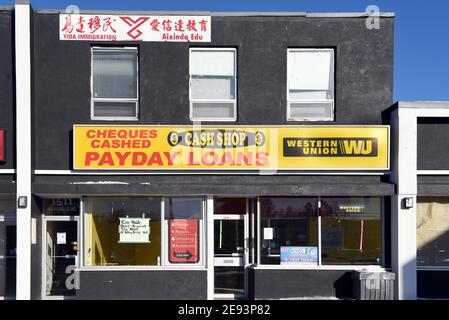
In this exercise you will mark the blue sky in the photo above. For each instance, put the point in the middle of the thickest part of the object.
(421, 32)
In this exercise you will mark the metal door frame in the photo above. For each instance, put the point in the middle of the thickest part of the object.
(246, 242)
(45, 219)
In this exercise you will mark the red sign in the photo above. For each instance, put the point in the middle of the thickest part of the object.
(184, 241)
(2, 145)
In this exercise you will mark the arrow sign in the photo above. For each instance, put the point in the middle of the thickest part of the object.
(183, 255)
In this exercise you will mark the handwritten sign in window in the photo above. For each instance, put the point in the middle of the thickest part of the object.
(134, 230)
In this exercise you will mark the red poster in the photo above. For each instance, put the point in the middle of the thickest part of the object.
(184, 241)
(2, 145)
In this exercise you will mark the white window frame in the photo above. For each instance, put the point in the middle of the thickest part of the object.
(192, 101)
(164, 263)
(289, 101)
(93, 100)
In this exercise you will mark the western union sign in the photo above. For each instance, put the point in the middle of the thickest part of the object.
(230, 148)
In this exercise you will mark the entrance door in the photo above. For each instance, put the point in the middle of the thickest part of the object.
(230, 255)
(7, 256)
(61, 256)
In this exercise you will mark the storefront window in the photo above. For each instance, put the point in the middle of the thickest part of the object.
(432, 227)
(288, 230)
(184, 225)
(351, 231)
(122, 231)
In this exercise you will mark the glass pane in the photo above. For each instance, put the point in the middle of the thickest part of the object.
(7, 259)
(114, 74)
(184, 218)
(311, 69)
(229, 205)
(311, 110)
(229, 280)
(62, 207)
(303, 95)
(206, 110)
(62, 248)
(228, 237)
(123, 231)
(112, 109)
(212, 62)
(289, 230)
(351, 231)
(212, 87)
(432, 227)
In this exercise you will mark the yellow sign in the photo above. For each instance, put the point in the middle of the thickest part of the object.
(230, 148)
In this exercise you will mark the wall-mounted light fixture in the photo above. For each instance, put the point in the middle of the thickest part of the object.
(22, 202)
(407, 203)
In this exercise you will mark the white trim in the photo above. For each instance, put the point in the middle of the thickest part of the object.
(289, 101)
(23, 148)
(326, 267)
(432, 268)
(184, 172)
(210, 247)
(7, 171)
(432, 172)
(233, 101)
(141, 268)
(93, 100)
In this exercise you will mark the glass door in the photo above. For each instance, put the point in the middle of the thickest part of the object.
(7, 256)
(61, 256)
(230, 255)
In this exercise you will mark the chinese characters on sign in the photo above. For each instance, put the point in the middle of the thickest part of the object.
(183, 241)
(137, 28)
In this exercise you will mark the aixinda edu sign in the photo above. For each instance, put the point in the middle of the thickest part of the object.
(89, 27)
(231, 148)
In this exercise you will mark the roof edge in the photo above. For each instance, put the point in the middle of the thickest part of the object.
(232, 14)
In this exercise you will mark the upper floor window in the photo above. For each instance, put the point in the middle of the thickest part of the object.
(213, 84)
(310, 92)
(115, 83)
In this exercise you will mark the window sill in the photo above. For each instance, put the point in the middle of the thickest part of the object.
(372, 268)
(214, 120)
(114, 119)
(142, 268)
(310, 120)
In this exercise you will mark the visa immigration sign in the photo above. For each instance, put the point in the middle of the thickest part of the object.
(230, 148)
(134, 28)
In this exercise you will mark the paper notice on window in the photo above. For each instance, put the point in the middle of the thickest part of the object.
(134, 230)
(61, 238)
(268, 233)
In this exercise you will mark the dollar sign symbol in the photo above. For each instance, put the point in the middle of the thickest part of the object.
(259, 139)
(174, 138)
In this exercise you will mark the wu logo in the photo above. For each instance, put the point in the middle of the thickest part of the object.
(135, 23)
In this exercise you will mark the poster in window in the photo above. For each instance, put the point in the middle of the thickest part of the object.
(299, 255)
(134, 230)
(183, 241)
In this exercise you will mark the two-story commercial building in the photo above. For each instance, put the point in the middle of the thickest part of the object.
(196, 155)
